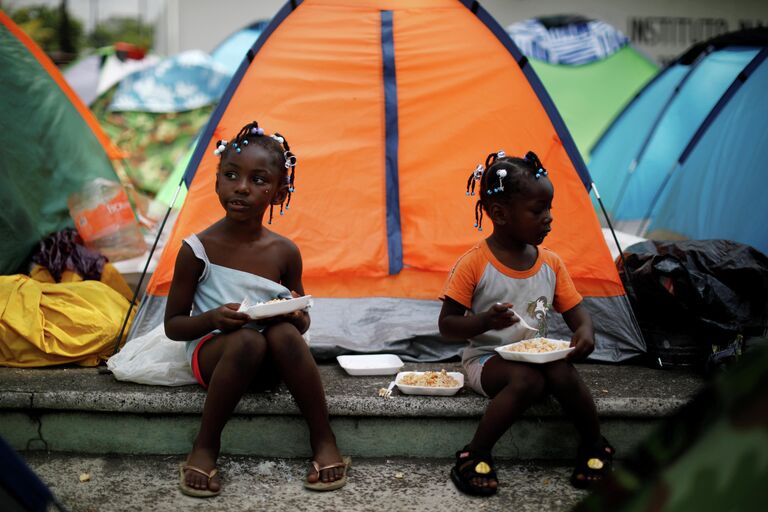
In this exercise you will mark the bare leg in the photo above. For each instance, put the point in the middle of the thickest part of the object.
(513, 387)
(565, 384)
(228, 363)
(298, 370)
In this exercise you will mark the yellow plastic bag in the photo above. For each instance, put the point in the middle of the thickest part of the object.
(43, 324)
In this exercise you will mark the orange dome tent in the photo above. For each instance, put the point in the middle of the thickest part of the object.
(389, 105)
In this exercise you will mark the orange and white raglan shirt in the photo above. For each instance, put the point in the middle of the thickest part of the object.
(478, 280)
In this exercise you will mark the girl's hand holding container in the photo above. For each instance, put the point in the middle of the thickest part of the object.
(226, 318)
(583, 340)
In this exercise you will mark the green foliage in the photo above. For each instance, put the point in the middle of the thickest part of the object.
(129, 30)
(46, 26)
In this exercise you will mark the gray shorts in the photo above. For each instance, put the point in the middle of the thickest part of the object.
(474, 370)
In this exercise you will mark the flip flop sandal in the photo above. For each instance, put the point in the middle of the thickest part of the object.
(471, 465)
(345, 463)
(191, 491)
(593, 463)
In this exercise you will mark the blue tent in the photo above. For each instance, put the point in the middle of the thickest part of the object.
(686, 158)
(231, 51)
(186, 81)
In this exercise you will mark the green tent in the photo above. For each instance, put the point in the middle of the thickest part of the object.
(50, 145)
(588, 68)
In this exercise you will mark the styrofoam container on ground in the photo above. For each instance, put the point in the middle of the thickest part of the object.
(370, 364)
(429, 390)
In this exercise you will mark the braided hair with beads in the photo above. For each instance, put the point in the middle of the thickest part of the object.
(275, 144)
(499, 178)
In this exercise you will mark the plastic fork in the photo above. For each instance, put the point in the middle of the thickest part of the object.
(523, 322)
(387, 393)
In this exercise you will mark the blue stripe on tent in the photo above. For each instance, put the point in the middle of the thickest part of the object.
(197, 156)
(538, 88)
(732, 90)
(394, 230)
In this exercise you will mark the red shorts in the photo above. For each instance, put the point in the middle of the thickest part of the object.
(196, 364)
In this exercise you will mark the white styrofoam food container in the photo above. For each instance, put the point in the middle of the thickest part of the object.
(370, 364)
(429, 390)
(270, 309)
(535, 357)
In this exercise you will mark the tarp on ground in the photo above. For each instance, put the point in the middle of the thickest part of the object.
(388, 117)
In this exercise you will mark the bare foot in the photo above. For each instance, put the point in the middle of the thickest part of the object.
(205, 460)
(326, 454)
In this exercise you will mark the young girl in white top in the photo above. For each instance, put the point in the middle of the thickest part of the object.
(234, 258)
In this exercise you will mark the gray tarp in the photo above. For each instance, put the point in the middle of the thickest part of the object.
(408, 328)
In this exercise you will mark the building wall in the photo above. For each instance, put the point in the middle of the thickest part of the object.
(661, 28)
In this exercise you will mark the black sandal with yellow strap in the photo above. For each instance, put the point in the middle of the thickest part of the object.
(593, 463)
(473, 464)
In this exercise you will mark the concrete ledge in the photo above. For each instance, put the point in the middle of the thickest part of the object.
(81, 410)
(287, 436)
(621, 391)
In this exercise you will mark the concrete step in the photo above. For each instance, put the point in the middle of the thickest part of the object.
(141, 483)
(83, 411)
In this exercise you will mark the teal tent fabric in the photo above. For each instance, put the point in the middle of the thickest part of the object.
(663, 169)
(723, 176)
(613, 155)
(696, 97)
